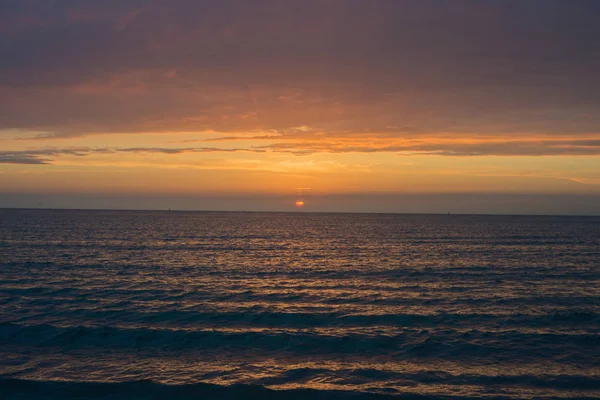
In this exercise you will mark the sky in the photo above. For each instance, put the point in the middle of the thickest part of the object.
(367, 106)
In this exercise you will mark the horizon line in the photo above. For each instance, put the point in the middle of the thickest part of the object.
(295, 212)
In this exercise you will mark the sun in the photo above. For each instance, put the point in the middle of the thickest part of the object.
(299, 203)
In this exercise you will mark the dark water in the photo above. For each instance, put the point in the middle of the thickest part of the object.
(290, 306)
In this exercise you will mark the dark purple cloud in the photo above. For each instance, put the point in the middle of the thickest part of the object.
(493, 67)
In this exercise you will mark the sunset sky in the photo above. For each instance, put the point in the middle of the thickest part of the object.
(391, 106)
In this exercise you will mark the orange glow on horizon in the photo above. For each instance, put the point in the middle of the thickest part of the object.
(299, 203)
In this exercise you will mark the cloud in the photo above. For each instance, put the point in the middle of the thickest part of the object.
(447, 147)
(39, 156)
(510, 147)
(25, 159)
(429, 67)
(167, 150)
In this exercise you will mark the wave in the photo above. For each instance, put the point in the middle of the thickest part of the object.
(259, 316)
(11, 388)
(357, 376)
(413, 344)
(326, 295)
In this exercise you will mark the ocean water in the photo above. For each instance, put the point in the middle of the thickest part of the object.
(117, 304)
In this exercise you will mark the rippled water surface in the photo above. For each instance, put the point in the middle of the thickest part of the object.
(235, 305)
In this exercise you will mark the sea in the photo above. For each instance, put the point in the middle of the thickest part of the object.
(242, 305)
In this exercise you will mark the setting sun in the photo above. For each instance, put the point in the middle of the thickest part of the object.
(299, 203)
